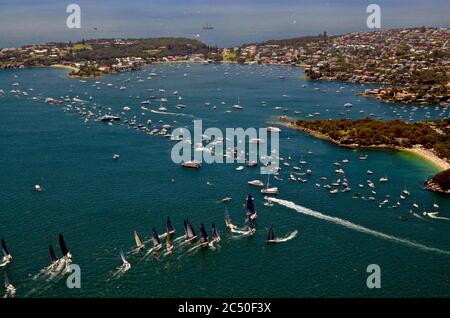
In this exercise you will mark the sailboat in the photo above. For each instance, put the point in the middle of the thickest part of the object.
(238, 105)
(156, 241)
(203, 236)
(228, 221)
(170, 228)
(169, 243)
(267, 189)
(10, 289)
(251, 227)
(53, 257)
(6, 255)
(270, 236)
(125, 264)
(190, 233)
(139, 243)
(250, 207)
(62, 244)
(215, 234)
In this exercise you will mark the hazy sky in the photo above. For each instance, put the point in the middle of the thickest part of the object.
(235, 21)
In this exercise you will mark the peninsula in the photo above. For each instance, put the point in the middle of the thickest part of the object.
(411, 65)
(430, 139)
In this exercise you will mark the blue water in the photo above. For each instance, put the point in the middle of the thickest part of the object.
(97, 202)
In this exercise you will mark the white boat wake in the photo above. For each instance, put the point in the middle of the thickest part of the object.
(54, 271)
(433, 215)
(120, 271)
(356, 227)
(172, 114)
(286, 238)
(237, 231)
(418, 216)
(4, 264)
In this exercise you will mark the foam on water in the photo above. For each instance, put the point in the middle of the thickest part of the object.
(356, 227)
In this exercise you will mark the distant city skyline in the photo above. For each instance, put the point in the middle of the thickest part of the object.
(235, 22)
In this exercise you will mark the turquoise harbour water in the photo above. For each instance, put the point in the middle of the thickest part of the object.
(98, 202)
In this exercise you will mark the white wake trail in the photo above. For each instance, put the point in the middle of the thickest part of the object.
(286, 238)
(356, 227)
(434, 215)
(172, 114)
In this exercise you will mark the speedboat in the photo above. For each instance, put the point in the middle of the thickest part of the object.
(191, 164)
(274, 129)
(256, 183)
(252, 164)
(272, 191)
(226, 199)
(109, 118)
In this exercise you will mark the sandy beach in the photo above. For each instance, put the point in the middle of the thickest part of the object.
(418, 150)
(430, 156)
(67, 67)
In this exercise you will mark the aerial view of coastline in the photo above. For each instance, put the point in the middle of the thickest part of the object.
(249, 149)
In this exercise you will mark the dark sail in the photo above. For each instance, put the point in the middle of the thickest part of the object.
(4, 248)
(156, 240)
(7, 282)
(170, 228)
(227, 217)
(189, 230)
(270, 236)
(62, 245)
(185, 226)
(203, 233)
(52, 254)
(250, 206)
(215, 234)
(251, 225)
